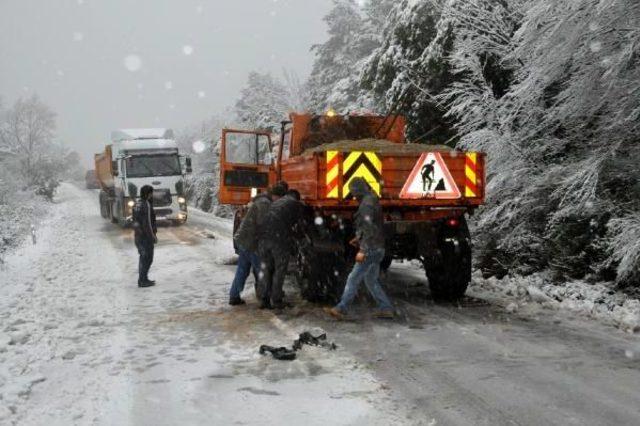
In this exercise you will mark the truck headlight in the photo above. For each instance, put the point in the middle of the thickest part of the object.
(131, 203)
(182, 200)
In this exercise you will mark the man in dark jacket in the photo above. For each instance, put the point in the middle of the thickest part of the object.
(368, 222)
(282, 224)
(144, 224)
(246, 240)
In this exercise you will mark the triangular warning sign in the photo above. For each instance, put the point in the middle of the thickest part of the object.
(430, 178)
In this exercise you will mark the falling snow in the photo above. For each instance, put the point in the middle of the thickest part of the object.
(132, 62)
(198, 146)
(187, 50)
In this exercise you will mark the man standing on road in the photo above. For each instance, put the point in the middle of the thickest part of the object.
(246, 241)
(144, 224)
(368, 222)
(282, 224)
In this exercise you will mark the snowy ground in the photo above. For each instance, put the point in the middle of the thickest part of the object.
(81, 344)
(600, 301)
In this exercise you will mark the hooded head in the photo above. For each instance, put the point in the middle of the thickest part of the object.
(359, 187)
(279, 190)
(146, 191)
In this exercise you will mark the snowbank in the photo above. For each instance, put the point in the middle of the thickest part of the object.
(16, 217)
(600, 301)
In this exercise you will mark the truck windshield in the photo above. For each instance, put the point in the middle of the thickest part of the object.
(247, 148)
(153, 165)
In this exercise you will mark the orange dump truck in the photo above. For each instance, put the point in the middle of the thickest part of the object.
(425, 192)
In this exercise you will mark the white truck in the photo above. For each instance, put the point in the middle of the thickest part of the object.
(138, 157)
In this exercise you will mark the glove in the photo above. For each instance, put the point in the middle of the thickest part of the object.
(360, 257)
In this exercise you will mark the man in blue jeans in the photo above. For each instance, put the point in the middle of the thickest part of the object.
(246, 240)
(368, 222)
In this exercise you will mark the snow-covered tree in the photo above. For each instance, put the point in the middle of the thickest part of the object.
(333, 82)
(409, 68)
(264, 102)
(26, 133)
(559, 125)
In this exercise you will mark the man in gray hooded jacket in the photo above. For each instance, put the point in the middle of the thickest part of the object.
(368, 222)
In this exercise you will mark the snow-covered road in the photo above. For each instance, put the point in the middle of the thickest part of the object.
(81, 344)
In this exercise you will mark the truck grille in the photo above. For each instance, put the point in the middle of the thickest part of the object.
(163, 212)
(161, 197)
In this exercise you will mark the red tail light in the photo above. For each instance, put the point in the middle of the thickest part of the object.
(453, 222)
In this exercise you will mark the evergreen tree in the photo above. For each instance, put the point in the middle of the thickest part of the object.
(330, 83)
(409, 68)
(263, 103)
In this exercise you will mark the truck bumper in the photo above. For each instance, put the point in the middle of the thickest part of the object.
(175, 212)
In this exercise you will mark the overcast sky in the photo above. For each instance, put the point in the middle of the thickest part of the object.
(107, 64)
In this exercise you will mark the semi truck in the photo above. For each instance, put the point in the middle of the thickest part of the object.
(138, 157)
(425, 192)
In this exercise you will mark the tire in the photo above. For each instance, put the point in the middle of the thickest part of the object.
(386, 263)
(450, 278)
(114, 218)
(104, 210)
(320, 276)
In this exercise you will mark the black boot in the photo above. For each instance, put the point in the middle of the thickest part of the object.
(265, 304)
(282, 305)
(146, 283)
(234, 301)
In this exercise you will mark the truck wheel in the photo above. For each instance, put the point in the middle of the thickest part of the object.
(386, 263)
(112, 216)
(103, 205)
(450, 278)
(320, 277)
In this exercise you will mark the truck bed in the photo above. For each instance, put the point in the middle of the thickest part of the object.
(308, 174)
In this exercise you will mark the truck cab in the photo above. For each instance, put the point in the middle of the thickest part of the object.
(139, 157)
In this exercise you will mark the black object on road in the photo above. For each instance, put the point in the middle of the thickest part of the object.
(307, 338)
(285, 354)
(281, 353)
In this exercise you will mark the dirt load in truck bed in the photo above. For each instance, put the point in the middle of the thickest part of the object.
(380, 146)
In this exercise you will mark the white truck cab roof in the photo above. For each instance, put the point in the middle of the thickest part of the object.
(140, 134)
(141, 141)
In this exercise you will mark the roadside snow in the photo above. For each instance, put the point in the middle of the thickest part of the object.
(600, 301)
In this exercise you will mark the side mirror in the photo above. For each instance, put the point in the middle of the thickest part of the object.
(187, 162)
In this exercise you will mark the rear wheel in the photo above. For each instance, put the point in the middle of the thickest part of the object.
(103, 206)
(321, 276)
(386, 263)
(449, 279)
(112, 213)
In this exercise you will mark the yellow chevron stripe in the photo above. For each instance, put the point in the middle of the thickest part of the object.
(331, 155)
(374, 160)
(333, 193)
(469, 193)
(470, 174)
(366, 174)
(473, 157)
(332, 174)
(348, 162)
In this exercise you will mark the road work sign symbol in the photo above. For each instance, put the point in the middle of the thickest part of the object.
(430, 178)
